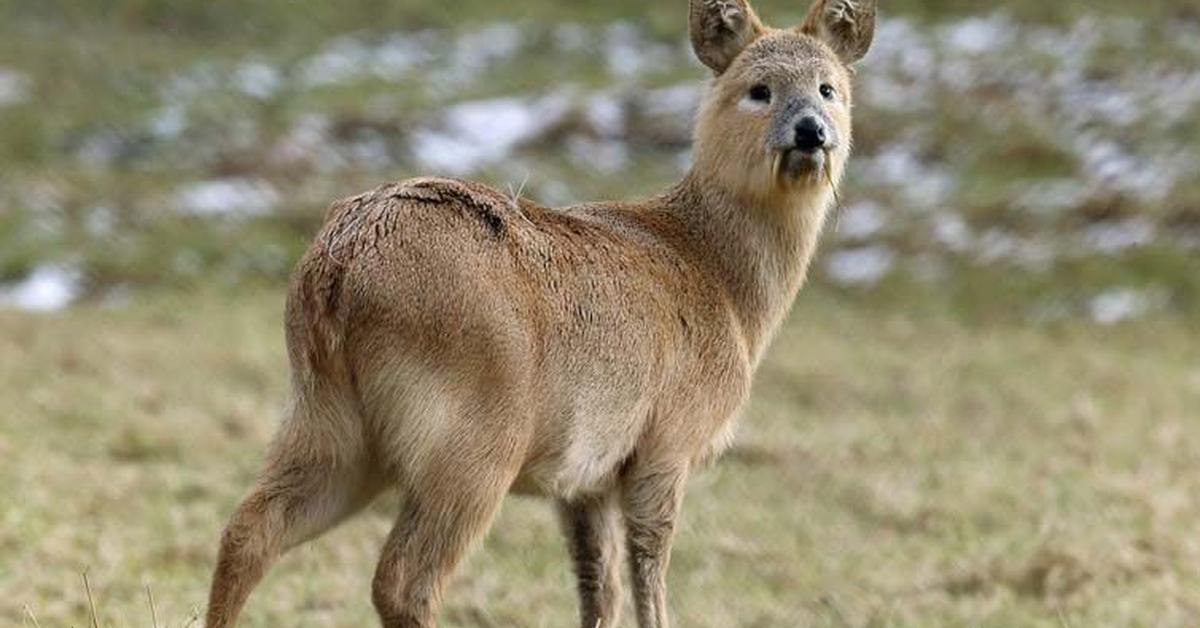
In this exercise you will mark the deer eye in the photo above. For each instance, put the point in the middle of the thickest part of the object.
(827, 91)
(760, 93)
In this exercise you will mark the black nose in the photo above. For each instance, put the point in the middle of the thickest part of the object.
(810, 133)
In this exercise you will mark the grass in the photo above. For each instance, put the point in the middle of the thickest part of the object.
(897, 467)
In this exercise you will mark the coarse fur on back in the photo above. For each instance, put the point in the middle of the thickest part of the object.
(459, 344)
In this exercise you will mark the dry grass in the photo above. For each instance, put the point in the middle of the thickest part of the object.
(892, 471)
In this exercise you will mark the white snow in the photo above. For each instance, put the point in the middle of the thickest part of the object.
(606, 156)
(980, 35)
(1115, 236)
(862, 220)
(342, 60)
(605, 113)
(862, 266)
(169, 122)
(243, 196)
(1121, 304)
(257, 79)
(47, 289)
(474, 134)
(15, 87)
(629, 53)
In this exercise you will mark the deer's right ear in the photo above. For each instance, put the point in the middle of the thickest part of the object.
(721, 29)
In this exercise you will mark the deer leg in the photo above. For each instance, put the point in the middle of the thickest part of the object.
(300, 494)
(652, 495)
(593, 529)
(435, 529)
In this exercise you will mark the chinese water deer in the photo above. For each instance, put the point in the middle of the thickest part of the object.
(460, 344)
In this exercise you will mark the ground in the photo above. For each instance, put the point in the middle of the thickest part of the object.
(895, 468)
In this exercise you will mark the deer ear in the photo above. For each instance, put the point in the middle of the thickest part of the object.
(848, 26)
(721, 29)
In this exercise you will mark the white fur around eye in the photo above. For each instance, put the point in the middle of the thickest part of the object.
(756, 106)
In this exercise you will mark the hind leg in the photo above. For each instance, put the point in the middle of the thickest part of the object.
(316, 475)
(444, 513)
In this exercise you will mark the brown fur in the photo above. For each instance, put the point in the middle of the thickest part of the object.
(460, 344)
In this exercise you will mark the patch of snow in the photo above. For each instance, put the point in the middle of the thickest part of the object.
(1112, 237)
(899, 72)
(476, 51)
(342, 60)
(628, 53)
(370, 149)
(1122, 304)
(169, 122)
(980, 35)
(1052, 196)
(473, 134)
(15, 87)
(862, 220)
(665, 115)
(1178, 103)
(184, 87)
(348, 58)
(862, 266)
(105, 147)
(680, 100)
(1091, 101)
(49, 288)
(101, 220)
(308, 142)
(606, 156)
(1110, 165)
(257, 79)
(924, 186)
(952, 231)
(247, 197)
(605, 113)
(400, 53)
(998, 245)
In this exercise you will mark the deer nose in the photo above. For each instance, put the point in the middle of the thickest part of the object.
(810, 133)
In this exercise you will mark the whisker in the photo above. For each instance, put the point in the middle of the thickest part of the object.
(837, 199)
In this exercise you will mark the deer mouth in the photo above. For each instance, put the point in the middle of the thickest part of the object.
(798, 164)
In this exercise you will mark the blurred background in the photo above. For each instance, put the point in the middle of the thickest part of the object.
(984, 412)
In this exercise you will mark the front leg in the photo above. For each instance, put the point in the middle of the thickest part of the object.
(653, 491)
(593, 529)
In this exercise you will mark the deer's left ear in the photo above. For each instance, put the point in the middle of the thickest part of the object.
(721, 29)
(848, 26)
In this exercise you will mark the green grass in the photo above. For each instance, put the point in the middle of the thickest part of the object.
(897, 467)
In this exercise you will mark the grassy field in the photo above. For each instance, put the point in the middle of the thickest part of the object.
(894, 469)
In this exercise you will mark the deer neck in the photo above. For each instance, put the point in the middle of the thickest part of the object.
(760, 248)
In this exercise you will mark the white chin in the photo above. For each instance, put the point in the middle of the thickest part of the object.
(798, 165)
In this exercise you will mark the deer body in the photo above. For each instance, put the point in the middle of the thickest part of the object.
(596, 323)
(461, 344)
